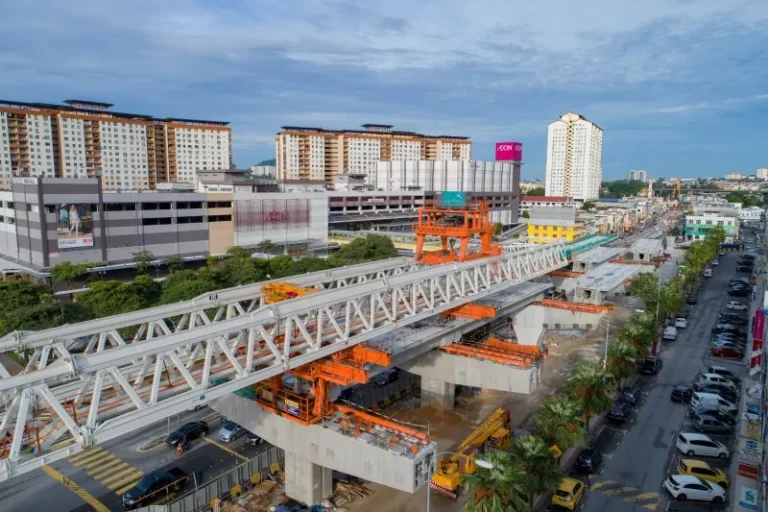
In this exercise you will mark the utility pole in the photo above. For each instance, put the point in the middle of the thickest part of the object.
(607, 332)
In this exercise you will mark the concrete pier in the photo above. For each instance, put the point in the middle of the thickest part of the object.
(437, 392)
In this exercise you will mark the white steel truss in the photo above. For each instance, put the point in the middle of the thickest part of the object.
(103, 393)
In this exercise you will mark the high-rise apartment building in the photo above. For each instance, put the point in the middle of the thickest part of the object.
(318, 154)
(85, 139)
(574, 158)
(762, 173)
(637, 175)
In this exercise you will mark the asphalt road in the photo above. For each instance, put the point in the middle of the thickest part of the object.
(108, 469)
(641, 454)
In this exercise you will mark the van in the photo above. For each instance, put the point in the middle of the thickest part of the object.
(707, 272)
(713, 400)
(693, 444)
(670, 333)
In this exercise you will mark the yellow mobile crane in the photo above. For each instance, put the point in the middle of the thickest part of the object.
(493, 434)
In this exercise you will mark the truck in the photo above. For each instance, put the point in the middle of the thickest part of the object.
(493, 434)
(155, 486)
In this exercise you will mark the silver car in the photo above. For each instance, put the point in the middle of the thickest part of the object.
(230, 431)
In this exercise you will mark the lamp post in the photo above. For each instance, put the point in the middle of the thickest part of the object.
(433, 469)
(607, 333)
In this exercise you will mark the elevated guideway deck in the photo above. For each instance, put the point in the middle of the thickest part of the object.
(146, 366)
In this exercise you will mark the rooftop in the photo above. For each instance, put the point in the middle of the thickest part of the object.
(648, 246)
(597, 255)
(608, 276)
(369, 132)
(547, 199)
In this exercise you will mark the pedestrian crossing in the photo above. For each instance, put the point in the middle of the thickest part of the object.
(649, 500)
(111, 471)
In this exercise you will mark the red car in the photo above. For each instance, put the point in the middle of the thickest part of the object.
(728, 351)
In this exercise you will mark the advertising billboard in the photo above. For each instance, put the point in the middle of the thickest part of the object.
(758, 325)
(509, 151)
(74, 225)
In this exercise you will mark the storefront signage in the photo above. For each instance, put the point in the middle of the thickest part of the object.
(506, 151)
(750, 451)
(748, 471)
(376, 200)
(750, 430)
(276, 217)
(758, 325)
(755, 364)
(748, 497)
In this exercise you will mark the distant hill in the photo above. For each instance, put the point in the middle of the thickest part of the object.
(271, 161)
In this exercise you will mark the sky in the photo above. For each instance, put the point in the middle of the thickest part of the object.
(680, 87)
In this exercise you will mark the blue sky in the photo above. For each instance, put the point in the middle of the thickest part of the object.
(679, 86)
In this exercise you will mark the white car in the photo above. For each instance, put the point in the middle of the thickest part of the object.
(688, 487)
(715, 263)
(701, 398)
(707, 272)
(718, 379)
(694, 444)
(738, 306)
(670, 334)
(681, 323)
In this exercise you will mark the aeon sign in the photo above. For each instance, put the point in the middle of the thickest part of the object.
(272, 217)
(509, 151)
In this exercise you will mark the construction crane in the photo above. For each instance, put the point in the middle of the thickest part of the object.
(493, 434)
(455, 217)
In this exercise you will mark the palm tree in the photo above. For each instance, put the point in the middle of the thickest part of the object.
(621, 359)
(499, 489)
(588, 386)
(557, 422)
(542, 472)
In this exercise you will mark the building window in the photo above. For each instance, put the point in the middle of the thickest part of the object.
(219, 218)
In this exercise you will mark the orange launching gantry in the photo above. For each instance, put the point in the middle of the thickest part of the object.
(454, 217)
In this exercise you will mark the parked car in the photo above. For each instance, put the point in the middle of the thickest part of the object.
(736, 305)
(739, 292)
(713, 410)
(681, 394)
(568, 494)
(681, 323)
(715, 263)
(670, 333)
(716, 389)
(684, 313)
(619, 413)
(729, 351)
(630, 394)
(589, 460)
(733, 319)
(739, 281)
(230, 431)
(744, 269)
(652, 365)
(153, 487)
(724, 372)
(707, 272)
(252, 439)
(717, 329)
(719, 379)
(187, 433)
(695, 444)
(687, 487)
(701, 398)
(692, 299)
(710, 425)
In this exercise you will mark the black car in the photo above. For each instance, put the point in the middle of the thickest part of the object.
(589, 460)
(651, 365)
(155, 486)
(747, 256)
(743, 269)
(733, 318)
(692, 299)
(630, 394)
(681, 394)
(187, 433)
(720, 328)
(739, 292)
(717, 389)
(684, 313)
(253, 439)
(739, 281)
(619, 413)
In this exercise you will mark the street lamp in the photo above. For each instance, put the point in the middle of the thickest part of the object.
(433, 469)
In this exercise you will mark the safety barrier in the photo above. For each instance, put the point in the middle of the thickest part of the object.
(371, 396)
(236, 481)
(403, 393)
(575, 306)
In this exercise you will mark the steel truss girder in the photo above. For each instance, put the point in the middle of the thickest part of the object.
(135, 384)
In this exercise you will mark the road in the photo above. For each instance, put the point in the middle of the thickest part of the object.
(105, 472)
(640, 454)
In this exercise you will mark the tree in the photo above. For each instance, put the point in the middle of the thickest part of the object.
(588, 387)
(282, 266)
(146, 289)
(267, 246)
(368, 248)
(174, 264)
(498, 227)
(623, 188)
(186, 285)
(142, 260)
(67, 272)
(538, 191)
(621, 360)
(107, 298)
(542, 472)
(747, 200)
(240, 269)
(526, 215)
(499, 489)
(588, 205)
(20, 294)
(42, 316)
(557, 422)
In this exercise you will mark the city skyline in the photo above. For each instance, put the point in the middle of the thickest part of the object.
(643, 73)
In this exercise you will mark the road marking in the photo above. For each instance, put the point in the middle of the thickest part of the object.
(598, 485)
(125, 489)
(620, 490)
(130, 479)
(118, 475)
(225, 448)
(88, 456)
(107, 468)
(72, 486)
(100, 461)
(643, 497)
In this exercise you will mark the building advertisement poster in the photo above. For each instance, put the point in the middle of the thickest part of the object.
(509, 151)
(748, 497)
(750, 451)
(74, 226)
(758, 326)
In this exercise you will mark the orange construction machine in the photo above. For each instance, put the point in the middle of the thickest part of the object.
(454, 217)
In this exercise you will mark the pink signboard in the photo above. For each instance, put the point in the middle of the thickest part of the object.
(509, 151)
(758, 325)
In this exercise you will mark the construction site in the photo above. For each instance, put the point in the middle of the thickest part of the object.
(363, 371)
